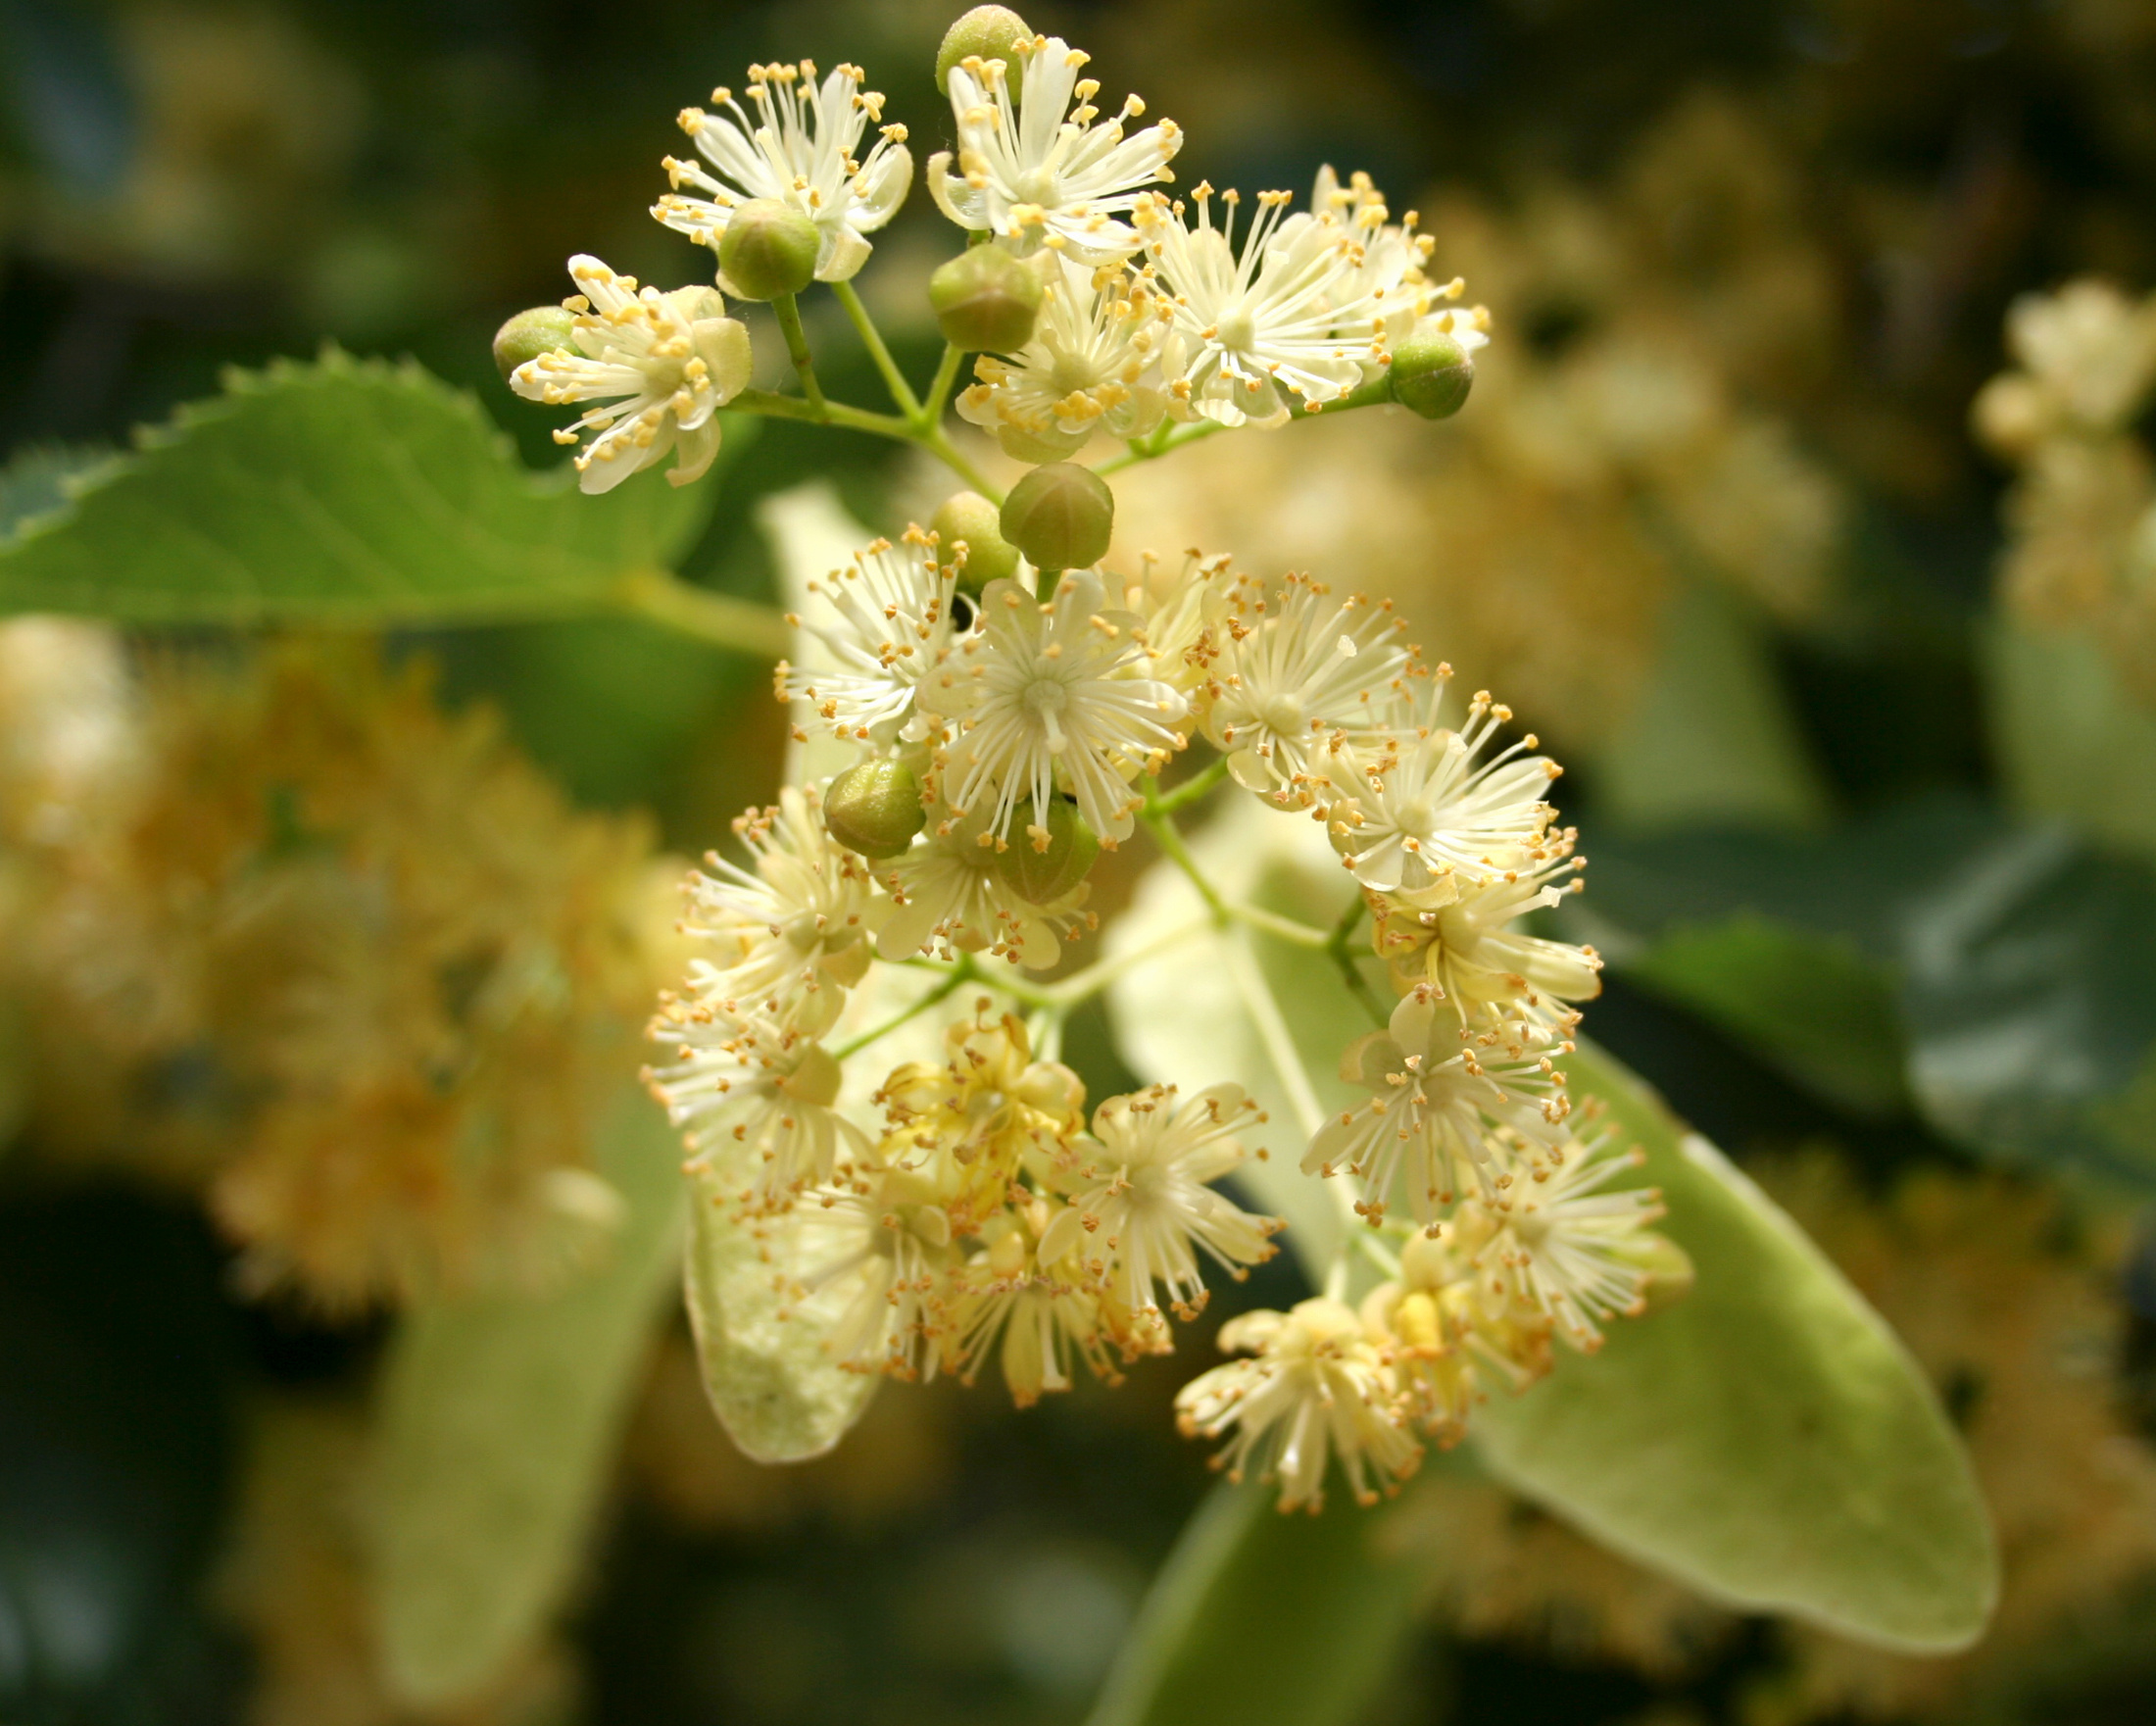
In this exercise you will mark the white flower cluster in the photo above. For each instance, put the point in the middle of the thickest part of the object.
(1150, 309)
(999, 733)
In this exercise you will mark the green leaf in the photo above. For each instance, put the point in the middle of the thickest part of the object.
(343, 491)
(1767, 1440)
(2072, 743)
(1809, 1004)
(1255, 1616)
(769, 1376)
(496, 1428)
(2031, 1009)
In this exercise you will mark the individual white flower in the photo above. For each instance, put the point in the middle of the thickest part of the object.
(799, 150)
(1033, 170)
(1142, 1198)
(878, 1246)
(1318, 1385)
(752, 1083)
(1427, 1320)
(790, 934)
(1382, 279)
(1437, 1094)
(1563, 1243)
(1092, 365)
(1256, 328)
(1050, 691)
(1457, 940)
(884, 621)
(946, 890)
(660, 366)
(1406, 811)
(1043, 1320)
(1299, 674)
(1177, 609)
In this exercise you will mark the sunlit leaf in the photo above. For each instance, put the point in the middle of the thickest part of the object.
(497, 1419)
(341, 491)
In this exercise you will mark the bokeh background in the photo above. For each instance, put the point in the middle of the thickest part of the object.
(1718, 522)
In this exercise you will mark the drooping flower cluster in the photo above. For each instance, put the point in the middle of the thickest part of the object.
(984, 728)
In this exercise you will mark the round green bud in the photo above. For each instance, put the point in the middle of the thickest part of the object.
(544, 330)
(1431, 373)
(993, 33)
(1061, 516)
(1043, 864)
(768, 250)
(874, 808)
(967, 519)
(985, 301)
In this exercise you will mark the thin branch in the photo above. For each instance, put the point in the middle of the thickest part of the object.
(960, 975)
(788, 313)
(1273, 1032)
(939, 388)
(719, 618)
(872, 338)
(1358, 985)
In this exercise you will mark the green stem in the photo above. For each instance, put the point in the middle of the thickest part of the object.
(939, 388)
(788, 313)
(741, 624)
(820, 413)
(1171, 436)
(1164, 834)
(960, 974)
(872, 339)
(1190, 791)
(1350, 972)
(945, 451)
(1273, 1032)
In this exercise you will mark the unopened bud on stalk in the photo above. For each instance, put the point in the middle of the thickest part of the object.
(1043, 864)
(985, 301)
(1431, 373)
(993, 33)
(544, 330)
(965, 518)
(874, 808)
(1061, 516)
(768, 250)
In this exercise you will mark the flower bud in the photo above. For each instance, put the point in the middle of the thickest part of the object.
(967, 519)
(985, 301)
(1061, 516)
(1043, 864)
(544, 330)
(768, 250)
(993, 33)
(1432, 374)
(874, 808)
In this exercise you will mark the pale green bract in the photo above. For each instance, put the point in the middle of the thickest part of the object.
(496, 1431)
(1766, 1441)
(765, 1368)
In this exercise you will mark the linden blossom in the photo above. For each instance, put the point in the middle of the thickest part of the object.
(958, 1209)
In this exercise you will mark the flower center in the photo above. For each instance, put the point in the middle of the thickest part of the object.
(1417, 816)
(1237, 328)
(1281, 714)
(1046, 699)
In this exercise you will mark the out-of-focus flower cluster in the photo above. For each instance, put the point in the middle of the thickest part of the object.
(282, 927)
(2082, 512)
